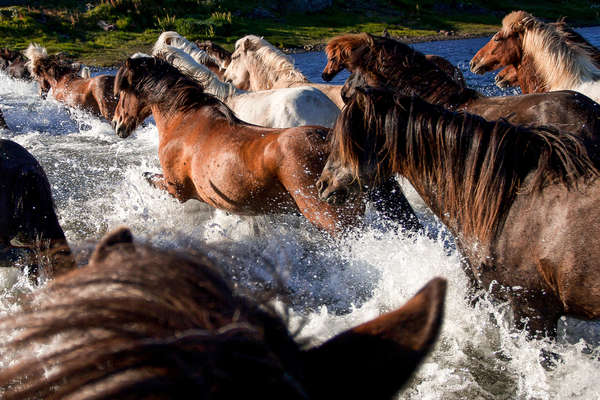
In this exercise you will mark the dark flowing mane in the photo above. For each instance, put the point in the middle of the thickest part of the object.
(394, 64)
(157, 324)
(160, 83)
(477, 167)
(53, 65)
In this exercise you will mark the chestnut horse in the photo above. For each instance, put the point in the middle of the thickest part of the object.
(522, 203)
(91, 94)
(257, 65)
(208, 154)
(389, 63)
(27, 217)
(139, 322)
(217, 52)
(556, 57)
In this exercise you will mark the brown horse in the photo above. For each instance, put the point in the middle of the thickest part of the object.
(208, 154)
(390, 63)
(216, 51)
(27, 217)
(91, 94)
(536, 49)
(523, 203)
(144, 323)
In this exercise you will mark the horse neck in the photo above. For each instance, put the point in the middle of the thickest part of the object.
(529, 79)
(264, 76)
(440, 153)
(420, 77)
(571, 65)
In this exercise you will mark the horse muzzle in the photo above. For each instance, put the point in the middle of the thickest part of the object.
(120, 129)
(477, 66)
(331, 194)
(501, 83)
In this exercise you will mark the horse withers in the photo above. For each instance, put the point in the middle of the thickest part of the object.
(27, 217)
(522, 203)
(140, 322)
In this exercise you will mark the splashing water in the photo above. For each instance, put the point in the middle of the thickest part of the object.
(329, 285)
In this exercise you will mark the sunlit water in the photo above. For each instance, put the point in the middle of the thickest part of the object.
(330, 285)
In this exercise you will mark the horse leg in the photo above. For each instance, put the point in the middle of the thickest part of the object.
(390, 202)
(159, 182)
(536, 312)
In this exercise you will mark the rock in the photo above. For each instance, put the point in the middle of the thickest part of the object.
(106, 26)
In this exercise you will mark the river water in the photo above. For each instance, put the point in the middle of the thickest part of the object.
(329, 285)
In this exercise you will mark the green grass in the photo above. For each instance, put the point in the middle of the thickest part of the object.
(68, 26)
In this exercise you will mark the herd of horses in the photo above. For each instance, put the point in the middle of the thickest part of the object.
(514, 179)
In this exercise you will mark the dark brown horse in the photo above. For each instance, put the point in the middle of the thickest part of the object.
(216, 51)
(14, 63)
(208, 154)
(518, 43)
(523, 203)
(27, 217)
(144, 323)
(91, 94)
(390, 63)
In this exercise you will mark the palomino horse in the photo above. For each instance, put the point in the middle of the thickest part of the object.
(91, 94)
(258, 65)
(279, 108)
(390, 63)
(555, 56)
(522, 203)
(140, 322)
(208, 154)
(27, 217)
(215, 51)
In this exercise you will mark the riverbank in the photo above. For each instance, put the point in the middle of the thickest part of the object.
(104, 32)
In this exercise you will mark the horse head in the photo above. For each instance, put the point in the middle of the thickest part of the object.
(341, 51)
(238, 70)
(150, 322)
(216, 51)
(132, 108)
(357, 158)
(505, 47)
(507, 77)
(47, 70)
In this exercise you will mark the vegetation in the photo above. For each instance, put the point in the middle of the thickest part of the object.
(73, 26)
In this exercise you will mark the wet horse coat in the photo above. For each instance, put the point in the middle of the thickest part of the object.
(523, 204)
(206, 153)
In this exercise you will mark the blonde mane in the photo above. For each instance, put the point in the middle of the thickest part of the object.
(190, 67)
(34, 53)
(269, 63)
(174, 39)
(561, 64)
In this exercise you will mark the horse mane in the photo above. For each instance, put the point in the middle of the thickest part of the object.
(144, 323)
(175, 40)
(197, 71)
(270, 63)
(476, 166)
(571, 62)
(222, 55)
(166, 86)
(40, 61)
(394, 64)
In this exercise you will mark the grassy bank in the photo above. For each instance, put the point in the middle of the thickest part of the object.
(72, 26)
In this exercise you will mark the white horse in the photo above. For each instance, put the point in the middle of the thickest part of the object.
(257, 65)
(280, 108)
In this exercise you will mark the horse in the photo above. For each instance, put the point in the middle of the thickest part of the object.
(258, 65)
(140, 322)
(91, 94)
(390, 63)
(558, 57)
(522, 202)
(3, 124)
(220, 54)
(27, 217)
(279, 108)
(207, 153)
(14, 63)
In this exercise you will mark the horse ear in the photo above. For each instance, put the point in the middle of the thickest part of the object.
(246, 44)
(122, 80)
(383, 352)
(119, 236)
